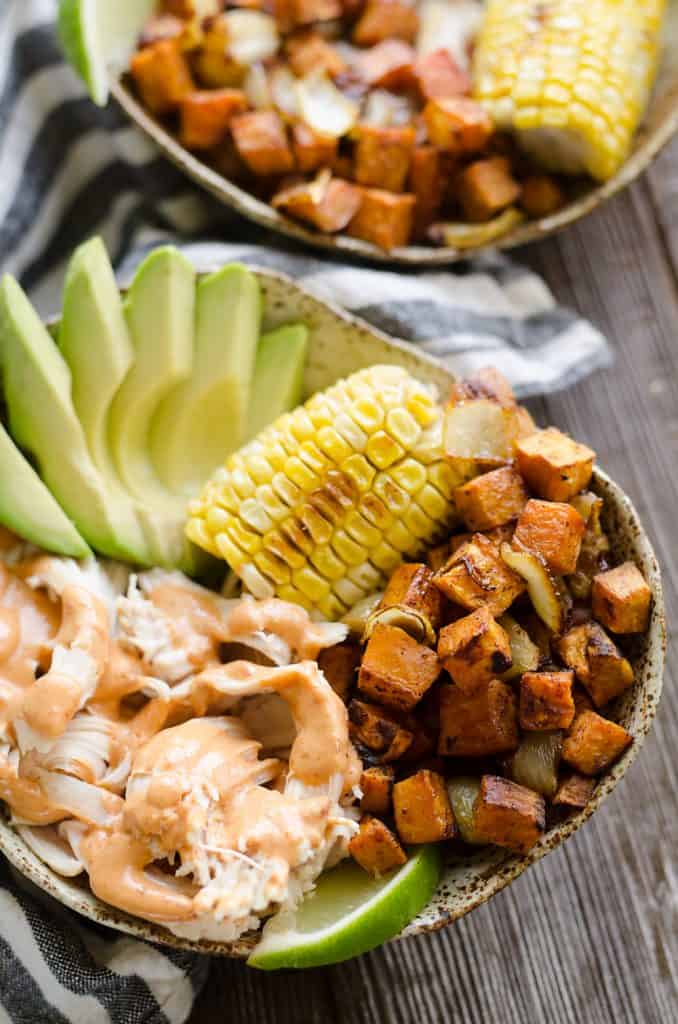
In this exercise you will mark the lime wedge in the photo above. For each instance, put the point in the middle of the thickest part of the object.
(348, 913)
(100, 34)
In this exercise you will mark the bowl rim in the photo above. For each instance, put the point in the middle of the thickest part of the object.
(509, 866)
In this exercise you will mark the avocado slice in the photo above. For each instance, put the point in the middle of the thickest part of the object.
(159, 310)
(278, 385)
(43, 421)
(204, 419)
(28, 508)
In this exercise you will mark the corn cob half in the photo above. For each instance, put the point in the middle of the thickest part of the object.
(328, 500)
(571, 78)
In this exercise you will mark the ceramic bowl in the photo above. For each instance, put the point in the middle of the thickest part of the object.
(339, 345)
(660, 123)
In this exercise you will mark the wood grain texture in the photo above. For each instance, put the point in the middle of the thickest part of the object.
(590, 934)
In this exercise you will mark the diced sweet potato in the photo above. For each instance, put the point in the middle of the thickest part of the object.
(459, 125)
(340, 666)
(386, 19)
(474, 650)
(308, 11)
(312, 150)
(261, 140)
(378, 730)
(384, 219)
(553, 465)
(308, 51)
(411, 588)
(491, 499)
(541, 196)
(438, 76)
(481, 724)
(206, 114)
(328, 208)
(574, 791)
(422, 809)
(388, 65)
(485, 188)
(396, 670)
(213, 65)
(476, 575)
(509, 815)
(554, 531)
(180, 8)
(437, 557)
(621, 599)
(376, 784)
(162, 76)
(426, 184)
(383, 156)
(594, 743)
(598, 663)
(546, 701)
(375, 848)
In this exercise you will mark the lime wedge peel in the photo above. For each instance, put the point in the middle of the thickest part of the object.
(97, 35)
(348, 913)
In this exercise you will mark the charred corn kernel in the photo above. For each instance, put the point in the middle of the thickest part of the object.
(311, 583)
(571, 78)
(316, 508)
(444, 479)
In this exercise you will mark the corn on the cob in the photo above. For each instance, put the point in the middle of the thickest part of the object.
(571, 78)
(323, 504)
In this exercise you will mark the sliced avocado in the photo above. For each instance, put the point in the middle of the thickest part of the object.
(278, 385)
(43, 421)
(204, 419)
(28, 508)
(159, 310)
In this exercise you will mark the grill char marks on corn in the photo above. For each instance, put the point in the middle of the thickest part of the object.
(324, 504)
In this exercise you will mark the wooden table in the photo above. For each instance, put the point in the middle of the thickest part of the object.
(590, 934)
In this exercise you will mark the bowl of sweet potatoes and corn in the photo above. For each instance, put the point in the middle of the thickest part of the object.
(417, 130)
(505, 612)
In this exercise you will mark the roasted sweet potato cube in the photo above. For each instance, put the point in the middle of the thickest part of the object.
(376, 784)
(439, 77)
(206, 114)
(308, 51)
(308, 11)
(180, 8)
(553, 530)
(553, 465)
(598, 663)
(546, 701)
(384, 219)
(621, 599)
(458, 125)
(328, 208)
(383, 156)
(340, 666)
(491, 499)
(437, 557)
(312, 150)
(426, 184)
(541, 196)
(476, 575)
(261, 140)
(411, 587)
(574, 791)
(594, 743)
(375, 848)
(485, 188)
(481, 724)
(378, 730)
(388, 65)
(386, 19)
(572, 648)
(509, 815)
(396, 670)
(213, 65)
(422, 809)
(474, 650)
(162, 76)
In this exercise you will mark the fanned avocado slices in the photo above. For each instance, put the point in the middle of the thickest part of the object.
(278, 384)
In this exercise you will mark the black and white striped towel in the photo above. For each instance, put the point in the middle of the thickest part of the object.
(67, 171)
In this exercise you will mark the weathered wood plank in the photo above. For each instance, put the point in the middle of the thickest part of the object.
(590, 934)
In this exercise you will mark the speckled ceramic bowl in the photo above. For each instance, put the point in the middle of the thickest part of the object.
(339, 345)
(660, 123)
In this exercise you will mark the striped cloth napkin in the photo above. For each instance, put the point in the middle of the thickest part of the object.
(67, 171)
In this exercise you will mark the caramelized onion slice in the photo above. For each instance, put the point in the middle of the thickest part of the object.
(323, 107)
(535, 762)
(472, 236)
(524, 653)
(356, 618)
(547, 598)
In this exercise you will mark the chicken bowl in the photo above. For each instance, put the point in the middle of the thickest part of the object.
(339, 345)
